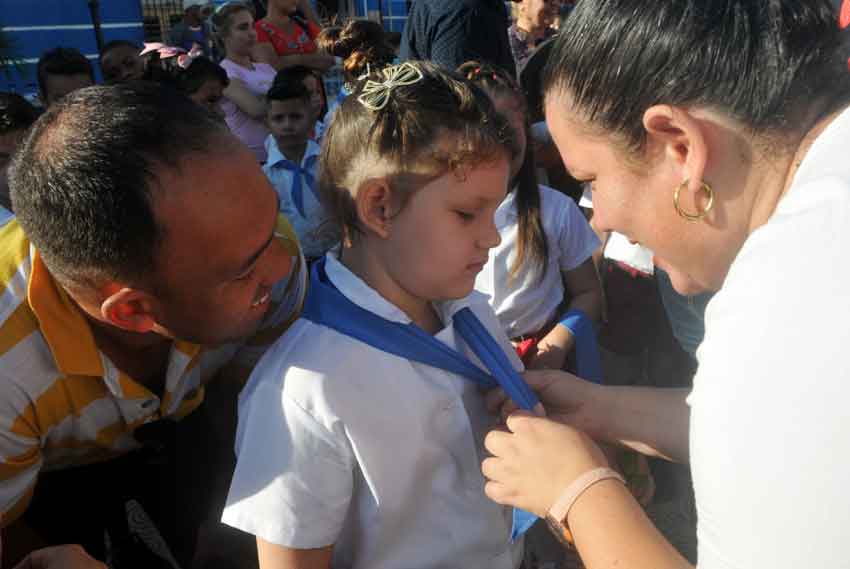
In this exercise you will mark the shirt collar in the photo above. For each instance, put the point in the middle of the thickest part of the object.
(361, 294)
(275, 155)
(62, 324)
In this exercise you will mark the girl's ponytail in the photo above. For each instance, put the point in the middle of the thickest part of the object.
(532, 246)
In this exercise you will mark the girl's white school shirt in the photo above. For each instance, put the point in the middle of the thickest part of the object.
(524, 304)
(341, 443)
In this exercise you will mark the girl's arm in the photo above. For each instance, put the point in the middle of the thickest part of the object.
(265, 53)
(274, 556)
(582, 285)
(248, 103)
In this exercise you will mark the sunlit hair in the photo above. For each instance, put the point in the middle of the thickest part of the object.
(531, 242)
(327, 38)
(765, 64)
(363, 46)
(439, 124)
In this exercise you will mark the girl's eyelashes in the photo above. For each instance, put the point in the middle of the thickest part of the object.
(465, 215)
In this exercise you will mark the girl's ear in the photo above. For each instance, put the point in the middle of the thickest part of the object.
(374, 202)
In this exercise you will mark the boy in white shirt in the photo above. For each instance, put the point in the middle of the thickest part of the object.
(292, 164)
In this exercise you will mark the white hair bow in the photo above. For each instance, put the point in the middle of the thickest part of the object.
(376, 94)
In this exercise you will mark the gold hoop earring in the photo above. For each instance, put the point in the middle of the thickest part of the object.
(693, 216)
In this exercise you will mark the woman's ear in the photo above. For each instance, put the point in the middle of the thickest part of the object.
(375, 207)
(679, 138)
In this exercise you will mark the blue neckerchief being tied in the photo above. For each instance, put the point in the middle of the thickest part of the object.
(297, 184)
(327, 306)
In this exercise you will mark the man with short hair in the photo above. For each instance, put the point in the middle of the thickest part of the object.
(60, 71)
(193, 30)
(147, 248)
(450, 33)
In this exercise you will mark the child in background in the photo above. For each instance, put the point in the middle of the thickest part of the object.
(190, 73)
(61, 71)
(313, 83)
(362, 46)
(292, 164)
(544, 258)
(120, 61)
(204, 82)
(351, 456)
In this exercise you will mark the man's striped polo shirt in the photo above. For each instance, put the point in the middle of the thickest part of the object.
(62, 402)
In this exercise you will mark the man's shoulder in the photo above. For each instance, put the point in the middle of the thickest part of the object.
(23, 349)
(16, 261)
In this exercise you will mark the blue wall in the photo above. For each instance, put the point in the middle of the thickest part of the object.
(394, 12)
(36, 26)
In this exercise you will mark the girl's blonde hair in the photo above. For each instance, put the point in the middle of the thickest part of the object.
(440, 123)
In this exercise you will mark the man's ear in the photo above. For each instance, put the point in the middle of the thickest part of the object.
(375, 206)
(681, 139)
(131, 309)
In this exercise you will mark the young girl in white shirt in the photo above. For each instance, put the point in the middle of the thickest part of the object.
(352, 454)
(544, 257)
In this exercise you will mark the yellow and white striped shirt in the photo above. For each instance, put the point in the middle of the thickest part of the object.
(63, 402)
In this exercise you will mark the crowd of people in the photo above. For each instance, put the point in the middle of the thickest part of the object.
(247, 321)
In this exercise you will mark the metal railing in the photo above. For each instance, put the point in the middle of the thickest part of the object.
(159, 16)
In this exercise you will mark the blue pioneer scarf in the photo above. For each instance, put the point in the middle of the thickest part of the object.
(327, 306)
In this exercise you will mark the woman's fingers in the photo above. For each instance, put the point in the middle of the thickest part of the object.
(534, 460)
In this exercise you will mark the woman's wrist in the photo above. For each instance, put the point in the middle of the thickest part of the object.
(596, 412)
(603, 490)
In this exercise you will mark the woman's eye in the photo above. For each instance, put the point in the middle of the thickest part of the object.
(465, 215)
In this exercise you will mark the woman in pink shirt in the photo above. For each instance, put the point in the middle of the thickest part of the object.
(244, 102)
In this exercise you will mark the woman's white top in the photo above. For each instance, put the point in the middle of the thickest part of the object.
(341, 443)
(526, 303)
(770, 424)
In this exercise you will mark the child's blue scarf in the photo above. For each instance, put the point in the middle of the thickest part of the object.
(327, 306)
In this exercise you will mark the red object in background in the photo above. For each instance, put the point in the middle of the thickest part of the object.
(526, 350)
(844, 14)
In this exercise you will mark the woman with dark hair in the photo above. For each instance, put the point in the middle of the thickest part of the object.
(715, 132)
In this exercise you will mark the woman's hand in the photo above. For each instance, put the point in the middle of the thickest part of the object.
(535, 460)
(565, 397)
